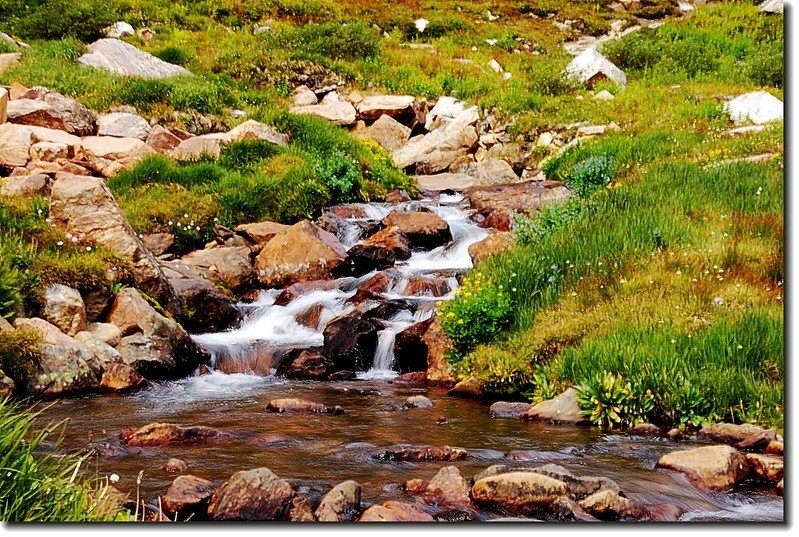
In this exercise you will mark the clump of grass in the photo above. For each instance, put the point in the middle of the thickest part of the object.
(19, 354)
(330, 41)
(41, 485)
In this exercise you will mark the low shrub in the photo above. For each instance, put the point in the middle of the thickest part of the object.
(175, 55)
(54, 19)
(334, 41)
(591, 174)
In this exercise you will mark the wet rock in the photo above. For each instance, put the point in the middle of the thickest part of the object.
(374, 106)
(341, 504)
(121, 58)
(448, 488)
(414, 378)
(299, 510)
(311, 317)
(301, 253)
(781, 487)
(372, 288)
(579, 487)
(251, 495)
(424, 453)
(347, 211)
(565, 408)
(304, 288)
(393, 511)
(644, 429)
(380, 251)
(710, 467)
(767, 467)
(187, 496)
(743, 436)
(332, 108)
(299, 406)
(63, 365)
(105, 332)
(389, 133)
(225, 265)
(157, 347)
(85, 205)
(566, 509)
(468, 389)
(609, 505)
(123, 125)
(175, 466)
(7, 386)
(63, 307)
(350, 341)
(342, 375)
(438, 346)
(204, 308)
(260, 233)
(496, 243)
(37, 184)
(424, 230)
(415, 486)
(674, 434)
(163, 434)
(518, 492)
(255, 130)
(774, 447)
(437, 150)
(758, 107)
(591, 67)
(503, 409)
(418, 401)
(664, 512)
(45, 108)
(118, 377)
(304, 364)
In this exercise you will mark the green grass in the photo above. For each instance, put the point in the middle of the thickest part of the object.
(41, 485)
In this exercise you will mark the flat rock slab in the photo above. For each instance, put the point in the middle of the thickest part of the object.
(124, 59)
(424, 453)
(299, 406)
(502, 409)
(710, 467)
(162, 434)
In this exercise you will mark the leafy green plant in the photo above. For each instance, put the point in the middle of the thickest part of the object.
(173, 54)
(340, 175)
(608, 400)
(592, 174)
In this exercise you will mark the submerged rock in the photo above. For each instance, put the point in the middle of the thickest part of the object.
(710, 467)
(162, 434)
(299, 406)
(425, 453)
(418, 401)
(502, 409)
(175, 466)
(341, 504)
(393, 511)
(251, 495)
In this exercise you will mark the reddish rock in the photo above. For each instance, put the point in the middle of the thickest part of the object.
(438, 346)
(774, 448)
(664, 512)
(564, 408)
(45, 108)
(311, 317)
(644, 429)
(418, 401)
(426, 286)
(350, 341)
(162, 140)
(229, 266)
(300, 510)
(372, 288)
(304, 364)
(158, 243)
(423, 229)
(744, 436)
(524, 198)
(162, 434)
(469, 389)
(448, 488)
(251, 495)
(381, 250)
(710, 467)
(119, 377)
(347, 211)
(175, 466)
(188, 495)
(260, 232)
(392, 511)
(397, 196)
(341, 504)
(609, 505)
(304, 288)
(415, 486)
(301, 253)
(299, 406)
(424, 453)
(493, 244)
(767, 467)
(414, 378)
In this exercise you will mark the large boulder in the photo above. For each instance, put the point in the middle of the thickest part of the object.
(525, 198)
(448, 488)
(350, 341)
(45, 108)
(332, 108)
(393, 511)
(301, 253)
(15, 145)
(518, 492)
(259, 233)
(565, 408)
(437, 150)
(304, 364)
(610, 505)
(124, 59)
(64, 307)
(438, 347)
(63, 365)
(423, 229)
(374, 106)
(164, 434)
(203, 307)
(103, 354)
(591, 67)
(187, 496)
(380, 251)
(123, 125)
(108, 155)
(228, 266)
(410, 348)
(710, 467)
(157, 347)
(389, 133)
(341, 504)
(120, 377)
(767, 467)
(758, 107)
(255, 130)
(495, 243)
(251, 495)
(85, 206)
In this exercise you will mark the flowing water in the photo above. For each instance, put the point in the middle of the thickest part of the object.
(315, 452)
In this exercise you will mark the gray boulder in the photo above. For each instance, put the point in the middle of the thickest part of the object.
(124, 59)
